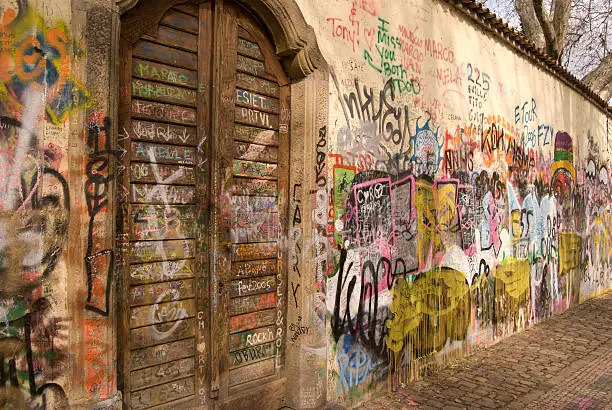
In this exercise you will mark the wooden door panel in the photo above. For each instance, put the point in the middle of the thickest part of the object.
(160, 135)
(204, 139)
(254, 272)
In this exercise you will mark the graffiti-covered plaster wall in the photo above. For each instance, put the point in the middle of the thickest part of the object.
(468, 190)
(56, 336)
(449, 192)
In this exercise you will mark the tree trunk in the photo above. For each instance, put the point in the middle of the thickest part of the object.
(529, 22)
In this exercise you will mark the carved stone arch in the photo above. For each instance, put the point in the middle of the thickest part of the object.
(295, 41)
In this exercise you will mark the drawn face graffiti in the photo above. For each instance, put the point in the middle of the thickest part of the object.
(562, 185)
(590, 171)
(426, 152)
(33, 232)
(35, 57)
(33, 218)
(604, 178)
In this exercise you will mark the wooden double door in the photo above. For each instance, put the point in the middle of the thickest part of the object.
(202, 184)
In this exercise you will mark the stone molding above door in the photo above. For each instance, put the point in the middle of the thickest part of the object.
(295, 41)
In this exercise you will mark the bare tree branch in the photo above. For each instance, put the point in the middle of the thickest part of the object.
(600, 79)
(577, 33)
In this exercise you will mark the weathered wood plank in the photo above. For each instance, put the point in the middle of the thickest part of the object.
(163, 92)
(162, 394)
(249, 48)
(188, 8)
(187, 402)
(252, 337)
(149, 110)
(162, 292)
(163, 373)
(256, 135)
(162, 312)
(255, 152)
(161, 174)
(148, 70)
(252, 354)
(259, 85)
(257, 118)
(256, 204)
(252, 251)
(246, 374)
(256, 101)
(162, 222)
(254, 169)
(162, 153)
(254, 67)
(161, 271)
(156, 251)
(181, 21)
(150, 356)
(251, 269)
(253, 226)
(162, 194)
(252, 320)
(248, 304)
(248, 186)
(175, 38)
(165, 133)
(152, 335)
(122, 247)
(165, 55)
(252, 286)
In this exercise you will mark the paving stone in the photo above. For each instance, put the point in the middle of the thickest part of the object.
(562, 363)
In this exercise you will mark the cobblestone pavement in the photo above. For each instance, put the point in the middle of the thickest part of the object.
(564, 363)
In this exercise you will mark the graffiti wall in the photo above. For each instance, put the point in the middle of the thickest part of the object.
(450, 192)
(468, 191)
(52, 301)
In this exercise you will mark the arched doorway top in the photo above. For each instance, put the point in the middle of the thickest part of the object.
(294, 40)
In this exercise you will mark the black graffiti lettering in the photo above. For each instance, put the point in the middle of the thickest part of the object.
(321, 180)
(366, 327)
(294, 290)
(97, 189)
(391, 120)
